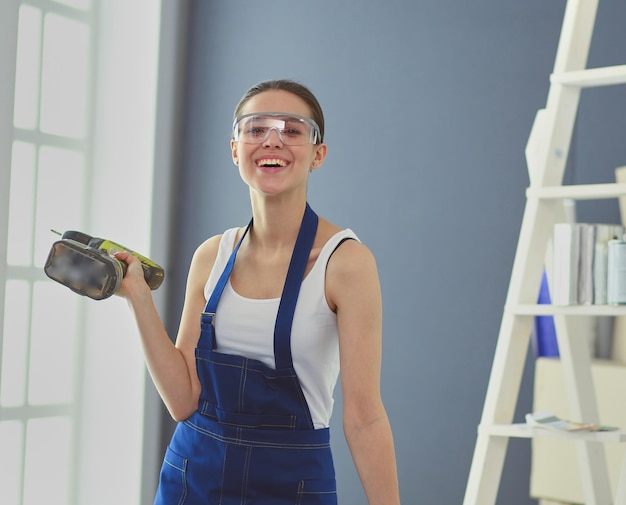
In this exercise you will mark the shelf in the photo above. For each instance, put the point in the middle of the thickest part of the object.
(578, 192)
(592, 77)
(522, 430)
(566, 310)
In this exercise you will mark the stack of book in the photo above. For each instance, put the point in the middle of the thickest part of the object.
(580, 262)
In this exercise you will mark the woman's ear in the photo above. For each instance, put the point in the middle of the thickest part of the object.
(233, 151)
(319, 156)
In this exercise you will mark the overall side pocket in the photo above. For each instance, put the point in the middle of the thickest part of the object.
(173, 481)
(317, 492)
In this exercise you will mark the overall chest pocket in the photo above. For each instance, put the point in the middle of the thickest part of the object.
(245, 392)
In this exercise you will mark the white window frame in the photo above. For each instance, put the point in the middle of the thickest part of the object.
(115, 415)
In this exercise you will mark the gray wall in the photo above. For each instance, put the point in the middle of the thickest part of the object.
(429, 104)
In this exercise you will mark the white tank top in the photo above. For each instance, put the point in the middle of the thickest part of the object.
(245, 327)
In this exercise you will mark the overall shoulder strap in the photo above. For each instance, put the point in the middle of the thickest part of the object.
(291, 289)
(208, 316)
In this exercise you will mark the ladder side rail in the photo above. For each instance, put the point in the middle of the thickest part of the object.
(575, 354)
(572, 53)
(510, 356)
(560, 118)
(502, 392)
(535, 234)
(576, 33)
(562, 102)
(620, 496)
(539, 215)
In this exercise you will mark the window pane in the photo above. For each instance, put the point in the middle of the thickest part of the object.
(27, 68)
(21, 205)
(64, 77)
(78, 4)
(15, 344)
(47, 462)
(53, 344)
(59, 197)
(11, 441)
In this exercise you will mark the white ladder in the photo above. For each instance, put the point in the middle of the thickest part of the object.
(546, 156)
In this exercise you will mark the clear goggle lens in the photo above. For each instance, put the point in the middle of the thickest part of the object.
(292, 129)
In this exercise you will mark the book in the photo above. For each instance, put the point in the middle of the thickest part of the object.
(580, 268)
(604, 233)
(566, 244)
(585, 264)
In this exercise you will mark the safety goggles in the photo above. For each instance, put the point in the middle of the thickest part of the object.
(292, 129)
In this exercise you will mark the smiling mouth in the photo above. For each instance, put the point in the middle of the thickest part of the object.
(271, 163)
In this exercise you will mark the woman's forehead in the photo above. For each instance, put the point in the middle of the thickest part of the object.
(277, 100)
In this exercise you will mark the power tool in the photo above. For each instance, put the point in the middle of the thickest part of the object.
(85, 265)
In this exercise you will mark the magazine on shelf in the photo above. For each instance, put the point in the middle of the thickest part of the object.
(547, 420)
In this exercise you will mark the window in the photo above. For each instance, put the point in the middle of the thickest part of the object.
(72, 379)
(39, 386)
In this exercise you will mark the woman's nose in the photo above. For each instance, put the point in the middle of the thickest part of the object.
(273, 138)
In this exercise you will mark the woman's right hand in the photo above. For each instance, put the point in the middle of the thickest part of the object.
(134, 283)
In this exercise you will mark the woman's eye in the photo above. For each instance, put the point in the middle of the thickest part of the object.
(292, 132)
(256, 131)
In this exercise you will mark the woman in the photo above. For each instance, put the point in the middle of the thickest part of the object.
(273, 313)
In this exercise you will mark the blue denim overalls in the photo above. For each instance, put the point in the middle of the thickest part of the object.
(251, 441)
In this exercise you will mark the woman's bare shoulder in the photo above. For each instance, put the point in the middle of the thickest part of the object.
(203, 260)
(208, 248)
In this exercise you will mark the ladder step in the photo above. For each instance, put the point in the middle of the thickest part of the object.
(522, 430)
(592, 77)
(565, 310)
(578, 192)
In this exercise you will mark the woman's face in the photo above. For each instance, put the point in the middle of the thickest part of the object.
(273, 167)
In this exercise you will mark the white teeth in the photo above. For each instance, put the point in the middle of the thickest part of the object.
(272, 163)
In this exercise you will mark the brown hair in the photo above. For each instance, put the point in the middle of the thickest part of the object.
(292, 87)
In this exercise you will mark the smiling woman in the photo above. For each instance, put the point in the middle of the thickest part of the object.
(274, 313)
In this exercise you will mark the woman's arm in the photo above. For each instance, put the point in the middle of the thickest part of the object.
(353, 290)
(172, 367)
